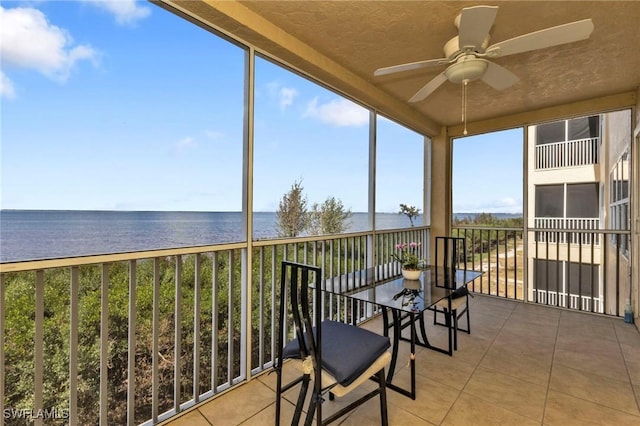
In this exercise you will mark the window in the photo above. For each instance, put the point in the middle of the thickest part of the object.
(582, 200)
(583, 128)
(487, 174)
(550, 201)
(399, 174)
(568, 130)
(619, 206)
(309, 135)
(553, 277)
(547, 275)
(550, 133)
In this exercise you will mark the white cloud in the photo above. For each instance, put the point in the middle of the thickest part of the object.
(338, 112)
(286, 97)
(126, 12)
(30, 41)
(6, 87)
(504, 205)
(185, 144)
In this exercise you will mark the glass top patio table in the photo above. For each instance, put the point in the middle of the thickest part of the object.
(396, 292)
(407, 300)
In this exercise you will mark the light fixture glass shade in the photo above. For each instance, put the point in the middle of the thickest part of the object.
(469, 69)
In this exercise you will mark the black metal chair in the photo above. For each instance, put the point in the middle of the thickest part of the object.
(450, 254)
(348, 355)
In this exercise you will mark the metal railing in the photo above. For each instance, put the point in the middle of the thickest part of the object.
(580, 152)
(571, 269)
(138, 337)
(576, 302)
(499, 253)
(569, 223)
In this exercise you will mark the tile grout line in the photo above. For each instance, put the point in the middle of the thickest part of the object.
(479, 362)
(626, 367)
(553, 357)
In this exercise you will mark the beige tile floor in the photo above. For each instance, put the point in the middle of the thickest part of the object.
(522, 365)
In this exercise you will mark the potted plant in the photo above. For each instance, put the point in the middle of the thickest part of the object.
(407, 255)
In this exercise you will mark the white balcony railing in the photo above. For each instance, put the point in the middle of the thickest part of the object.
(576, 301)
(136, 338)
(571, 224)
(580, 152)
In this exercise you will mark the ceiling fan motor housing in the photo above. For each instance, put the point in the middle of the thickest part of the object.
(452, 48)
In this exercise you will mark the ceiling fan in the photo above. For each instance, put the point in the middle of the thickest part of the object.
(466, 52)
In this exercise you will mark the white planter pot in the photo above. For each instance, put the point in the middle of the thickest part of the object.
(411, 274)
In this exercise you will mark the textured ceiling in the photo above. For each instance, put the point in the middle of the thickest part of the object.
(362, 36)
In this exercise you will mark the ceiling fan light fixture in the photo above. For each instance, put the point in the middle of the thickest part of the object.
(468, 69)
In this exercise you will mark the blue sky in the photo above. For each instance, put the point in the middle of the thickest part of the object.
(120, 105)
(487, 172)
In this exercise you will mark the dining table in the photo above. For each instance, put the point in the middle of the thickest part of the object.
(406, 301)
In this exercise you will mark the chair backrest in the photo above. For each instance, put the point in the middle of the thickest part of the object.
(295, 280)
(451, 252)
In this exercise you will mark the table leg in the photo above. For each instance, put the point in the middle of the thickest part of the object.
(394, 344)
(412, 356)
(397, 330)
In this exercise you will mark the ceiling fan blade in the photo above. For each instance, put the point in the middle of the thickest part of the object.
(498, 77)
(474, 26)
(554, 36)
(429, 88)
(410, 66)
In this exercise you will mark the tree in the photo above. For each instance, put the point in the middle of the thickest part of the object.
(292, 212)
(410, 211)
(330, 217)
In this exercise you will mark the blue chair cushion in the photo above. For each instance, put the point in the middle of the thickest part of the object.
(347, 350)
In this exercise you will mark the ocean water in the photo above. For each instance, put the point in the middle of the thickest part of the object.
(49, 234)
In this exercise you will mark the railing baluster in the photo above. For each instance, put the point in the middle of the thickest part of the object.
(617, 273)
(593, 296)
(131, 347)
(39, 346)
(2, 370)
(155, 388)
(274, 297)
(177, 333)
(214, 322)
(104, 344)
(73, 347)
(196, 328)
(230, 304)
(262, 300)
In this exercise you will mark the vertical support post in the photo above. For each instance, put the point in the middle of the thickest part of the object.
(247, 211)
(371, 255)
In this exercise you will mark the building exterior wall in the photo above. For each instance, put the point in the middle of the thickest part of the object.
(616, 134)
(562, 253)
